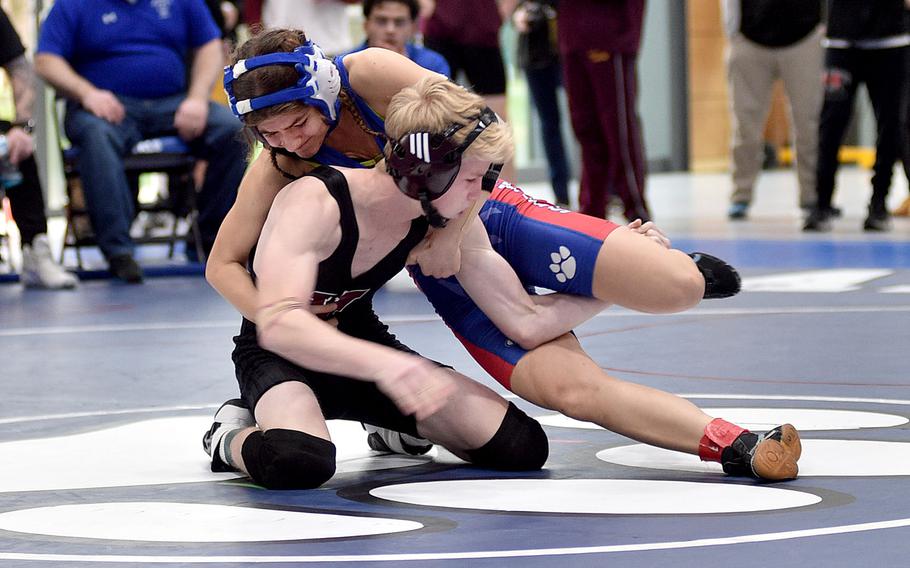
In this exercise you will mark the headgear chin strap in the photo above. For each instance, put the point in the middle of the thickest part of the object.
(318, 86)
(425, 165)
(434, 217)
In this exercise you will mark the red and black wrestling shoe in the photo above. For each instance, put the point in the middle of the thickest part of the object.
(771, 456)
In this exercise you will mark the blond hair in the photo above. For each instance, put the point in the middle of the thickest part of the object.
(434, 103)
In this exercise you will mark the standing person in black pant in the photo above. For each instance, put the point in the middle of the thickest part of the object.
(866, 43)
(769, 40)
(903, 210)
(20, 176)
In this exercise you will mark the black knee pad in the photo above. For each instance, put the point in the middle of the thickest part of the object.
(288, 459)
(520, 444)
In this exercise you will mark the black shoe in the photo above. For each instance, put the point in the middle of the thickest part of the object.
(771, 456)
(124, 267)
(721, 279)
(232, 415)
(818, 221)
(878, 220)
(835, 212)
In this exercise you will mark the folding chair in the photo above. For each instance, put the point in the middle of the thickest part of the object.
(167, 155)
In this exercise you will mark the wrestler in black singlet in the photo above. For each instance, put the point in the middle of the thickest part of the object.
(339, 397)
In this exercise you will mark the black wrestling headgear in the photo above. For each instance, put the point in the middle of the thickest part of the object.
(425, 165)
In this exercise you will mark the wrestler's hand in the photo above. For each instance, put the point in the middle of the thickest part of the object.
(438, 255)
(417, 387)
(651, 231)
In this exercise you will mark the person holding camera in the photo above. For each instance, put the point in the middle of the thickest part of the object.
(538, 55)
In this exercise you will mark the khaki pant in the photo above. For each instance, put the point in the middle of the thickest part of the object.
(751, 71)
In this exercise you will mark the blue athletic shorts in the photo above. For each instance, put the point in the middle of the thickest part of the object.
(547, 246)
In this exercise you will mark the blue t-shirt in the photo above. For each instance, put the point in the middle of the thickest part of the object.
(423, 56)
(135, 48)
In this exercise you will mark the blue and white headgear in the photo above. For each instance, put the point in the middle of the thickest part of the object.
(318, 86)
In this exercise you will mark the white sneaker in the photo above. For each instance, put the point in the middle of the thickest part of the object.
(390, 441)
(39, 269)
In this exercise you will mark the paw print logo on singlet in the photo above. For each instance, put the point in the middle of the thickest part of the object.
(563, 264)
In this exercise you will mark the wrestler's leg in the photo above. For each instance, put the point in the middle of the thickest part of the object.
(287, 446)
(560, 376)
(568, 252)
(635, 272)
(483, 428)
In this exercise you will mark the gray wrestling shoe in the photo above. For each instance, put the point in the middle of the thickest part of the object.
(390, 441)
(232, 415)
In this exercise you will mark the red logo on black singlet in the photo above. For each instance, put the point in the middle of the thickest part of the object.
(342, 300)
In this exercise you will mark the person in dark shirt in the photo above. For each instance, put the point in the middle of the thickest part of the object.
(770, 40)
(21, 181)
(466, 33)
(867, 42)
(391, 24)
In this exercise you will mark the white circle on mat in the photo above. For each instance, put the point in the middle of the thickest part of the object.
(595, 496)
(760, 419)
(841, 458)
(119, 456)
(188, 522)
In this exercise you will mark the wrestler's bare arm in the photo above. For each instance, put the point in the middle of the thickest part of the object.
(526, 319)
(226, 268)
(378, 74)
(301, 230)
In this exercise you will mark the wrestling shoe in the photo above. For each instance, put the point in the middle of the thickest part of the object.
(232, 415)
(390, 441)
(771, 456)
(721, 279)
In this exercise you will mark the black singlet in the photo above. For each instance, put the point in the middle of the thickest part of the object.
(334, 283)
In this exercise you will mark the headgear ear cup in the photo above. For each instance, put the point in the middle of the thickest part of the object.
(490, 178)
(428, 163)
(318, 82)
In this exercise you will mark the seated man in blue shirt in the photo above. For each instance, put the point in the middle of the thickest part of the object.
(123, 67)
(391, 24)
